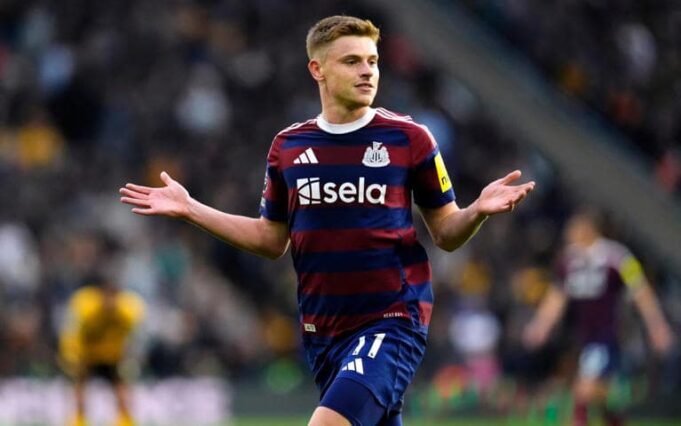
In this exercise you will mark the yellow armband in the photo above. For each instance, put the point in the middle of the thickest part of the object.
(631, 272)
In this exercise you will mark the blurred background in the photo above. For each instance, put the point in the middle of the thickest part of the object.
(584, 96)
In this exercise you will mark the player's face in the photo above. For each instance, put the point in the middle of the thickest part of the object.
(350, 70)
(580, 232)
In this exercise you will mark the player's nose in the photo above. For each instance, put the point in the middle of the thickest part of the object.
(366, 69)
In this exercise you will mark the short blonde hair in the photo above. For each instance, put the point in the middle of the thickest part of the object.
(331, 28)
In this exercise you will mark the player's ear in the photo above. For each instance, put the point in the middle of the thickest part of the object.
(315, 68)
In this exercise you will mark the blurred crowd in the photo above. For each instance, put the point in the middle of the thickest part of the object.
(621, 57)
(97, 94)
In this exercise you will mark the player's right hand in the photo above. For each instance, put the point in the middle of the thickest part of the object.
(170, 200)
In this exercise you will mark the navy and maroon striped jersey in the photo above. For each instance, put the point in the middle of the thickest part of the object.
(346, 193)
(594, 279)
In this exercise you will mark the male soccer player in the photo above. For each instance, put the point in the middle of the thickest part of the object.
(101, 319)
(593, 273)
(339, 189)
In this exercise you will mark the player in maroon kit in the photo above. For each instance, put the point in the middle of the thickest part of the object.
(339, 190)
(593, 273)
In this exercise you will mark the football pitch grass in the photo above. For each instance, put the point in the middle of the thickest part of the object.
(453, 422)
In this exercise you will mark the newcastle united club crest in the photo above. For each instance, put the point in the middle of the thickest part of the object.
(376, 156)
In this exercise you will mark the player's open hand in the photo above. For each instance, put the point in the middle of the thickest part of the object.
(170, 200)
(501, 196)
(662, 339)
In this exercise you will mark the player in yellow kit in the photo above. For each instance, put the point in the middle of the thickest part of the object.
(95, 341)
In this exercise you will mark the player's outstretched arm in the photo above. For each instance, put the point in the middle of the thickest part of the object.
(659, 332)
(256, 235)
(450, 226)
(549, 312)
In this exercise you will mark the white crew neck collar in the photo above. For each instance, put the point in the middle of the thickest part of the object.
(338, 129)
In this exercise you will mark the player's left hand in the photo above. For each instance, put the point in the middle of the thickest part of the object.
(661, 339)
(500, 196)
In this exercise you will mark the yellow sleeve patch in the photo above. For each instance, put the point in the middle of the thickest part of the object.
(631, 271)
(442, 176)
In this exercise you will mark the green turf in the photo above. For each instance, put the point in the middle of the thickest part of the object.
(419, 422)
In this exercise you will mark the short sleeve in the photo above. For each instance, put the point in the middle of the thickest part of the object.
(432, 186)
(274, 201)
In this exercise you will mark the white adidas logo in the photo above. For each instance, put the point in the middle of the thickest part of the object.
(307, 157)
(356, 366)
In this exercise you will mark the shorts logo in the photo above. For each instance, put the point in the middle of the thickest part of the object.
(355, 365)
(310, 327)
(312, 191)
(376, 155)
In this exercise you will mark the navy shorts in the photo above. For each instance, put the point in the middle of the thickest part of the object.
(597, 360)
(357, 404)
(382, 357)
